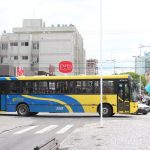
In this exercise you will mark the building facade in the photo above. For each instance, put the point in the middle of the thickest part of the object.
(38, 48)
(91, 67)
(6, 70)
(142, 63)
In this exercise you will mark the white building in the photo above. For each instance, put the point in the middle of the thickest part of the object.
(142, 63)
(36, 48)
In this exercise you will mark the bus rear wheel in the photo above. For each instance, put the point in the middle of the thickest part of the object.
(107, 110)
(23, 110)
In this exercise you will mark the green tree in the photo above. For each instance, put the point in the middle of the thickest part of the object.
(136, 78)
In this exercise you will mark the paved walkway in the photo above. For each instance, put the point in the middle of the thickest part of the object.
(123, 133)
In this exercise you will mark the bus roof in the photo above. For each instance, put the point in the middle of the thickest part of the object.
(86, 77)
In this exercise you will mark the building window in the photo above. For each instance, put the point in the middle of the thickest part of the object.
(1, 60)
(35, 45)
(14, 44)
(24, 43)
(11, 58)
(4, 46)
(24, 57)
(15, 57)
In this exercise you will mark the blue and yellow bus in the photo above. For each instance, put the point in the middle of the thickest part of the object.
(64, 94)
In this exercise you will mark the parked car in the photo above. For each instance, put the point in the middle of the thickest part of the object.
(146, 99)
(143, 109)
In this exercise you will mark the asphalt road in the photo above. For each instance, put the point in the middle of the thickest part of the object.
(25, 133)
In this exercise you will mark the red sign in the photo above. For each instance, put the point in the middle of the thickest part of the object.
(65, 66)
(19, 71)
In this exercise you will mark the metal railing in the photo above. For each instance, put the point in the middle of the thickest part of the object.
(49, 145)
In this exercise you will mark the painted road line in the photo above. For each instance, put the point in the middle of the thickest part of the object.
(66, 128)
(49, 128)
(25, 130)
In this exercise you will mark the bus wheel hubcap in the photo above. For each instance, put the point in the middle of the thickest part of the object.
(22, 110)
(105, 111)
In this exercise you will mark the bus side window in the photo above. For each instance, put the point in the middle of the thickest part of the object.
(25, 91)
(71, 87)
(78, 85)
(90, 87)
(14, 87)
(51, 87)
(108, 87)
(43, 87)
(97, 87)
(3, 88)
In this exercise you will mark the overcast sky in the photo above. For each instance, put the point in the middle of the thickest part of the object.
(125, 24)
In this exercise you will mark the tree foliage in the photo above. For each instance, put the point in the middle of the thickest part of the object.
(136, 78)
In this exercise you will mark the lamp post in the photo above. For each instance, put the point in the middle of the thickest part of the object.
(114, 61)
(140, 66)
(101, 69)
(135, 63)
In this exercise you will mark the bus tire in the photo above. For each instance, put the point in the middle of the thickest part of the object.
(144, 113)
(23, 110)
(107, 110)
(33, 113)
(113, 114)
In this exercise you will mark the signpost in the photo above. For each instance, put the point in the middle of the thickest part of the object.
(19, 71)
(65, 66)
(51, 70)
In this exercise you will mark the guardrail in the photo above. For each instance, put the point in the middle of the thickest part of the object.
(50, 145)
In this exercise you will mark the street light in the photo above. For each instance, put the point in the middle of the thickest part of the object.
(101, 69)
(135, 63)
(114, 61)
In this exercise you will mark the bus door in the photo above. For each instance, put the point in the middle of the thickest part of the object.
(3, 89)
(123, 97)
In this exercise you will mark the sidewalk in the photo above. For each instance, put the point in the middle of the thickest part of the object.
(131, 133)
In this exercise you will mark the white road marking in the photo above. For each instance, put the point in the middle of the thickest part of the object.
(49, 128)
(66, 128)
(25, 130)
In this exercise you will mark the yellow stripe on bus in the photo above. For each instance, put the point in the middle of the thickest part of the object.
(86, 77)
(49, 99)
(7, 78)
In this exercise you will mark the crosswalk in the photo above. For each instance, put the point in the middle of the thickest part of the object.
(47, 129)
(25, 130)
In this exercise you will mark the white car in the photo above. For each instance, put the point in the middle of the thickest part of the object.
(143, 109)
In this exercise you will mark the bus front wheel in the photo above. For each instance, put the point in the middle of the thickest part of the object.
(107, 110)
(23, 110)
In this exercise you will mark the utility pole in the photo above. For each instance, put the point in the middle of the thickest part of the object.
(114, 63)
(101, 69)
